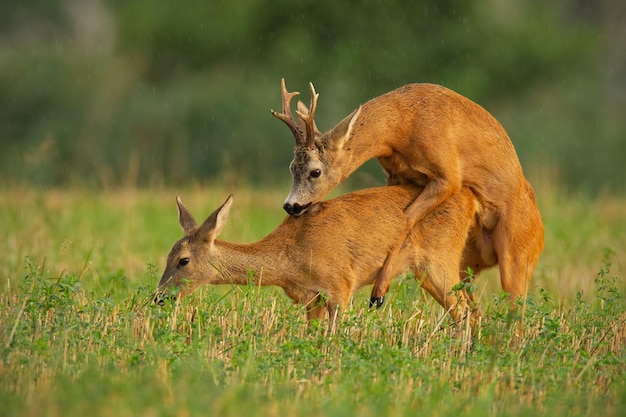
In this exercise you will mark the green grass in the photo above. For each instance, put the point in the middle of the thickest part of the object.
(79, 336)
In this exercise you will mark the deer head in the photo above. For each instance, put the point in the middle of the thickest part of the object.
(317, 166)
(190, 262)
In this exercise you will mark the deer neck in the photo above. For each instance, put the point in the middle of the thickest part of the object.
(366, 141)
(258, 263)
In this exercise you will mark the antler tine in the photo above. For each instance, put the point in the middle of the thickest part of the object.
(308, 118)
(286, 117)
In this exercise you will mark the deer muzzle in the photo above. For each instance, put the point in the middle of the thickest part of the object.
(295, 209)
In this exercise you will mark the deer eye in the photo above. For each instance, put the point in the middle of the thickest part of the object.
(183, 262)
(315, 173)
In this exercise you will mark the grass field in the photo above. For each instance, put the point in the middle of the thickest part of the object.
(78, 335)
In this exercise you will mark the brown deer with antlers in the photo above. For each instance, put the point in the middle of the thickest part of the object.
(321, 258)
(429, 136)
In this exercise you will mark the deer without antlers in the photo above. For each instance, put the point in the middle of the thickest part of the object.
(429, 136)
(326, 252)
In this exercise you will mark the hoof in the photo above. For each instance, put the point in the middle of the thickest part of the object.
(377, 302)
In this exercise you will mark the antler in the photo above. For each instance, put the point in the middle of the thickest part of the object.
(286, 117)
(311, 129)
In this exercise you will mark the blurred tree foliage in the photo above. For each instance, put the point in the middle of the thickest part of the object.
(136, 92)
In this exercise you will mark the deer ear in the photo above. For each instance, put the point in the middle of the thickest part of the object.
(186, 220)
(213, 225)
(353, 117)
(302, 108)
(338, 137)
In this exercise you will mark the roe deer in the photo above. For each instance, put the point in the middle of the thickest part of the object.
(321, 258)
(430, 136)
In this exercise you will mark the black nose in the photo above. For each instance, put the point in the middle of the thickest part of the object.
(288, 208)
(295, 209)
(159, 299)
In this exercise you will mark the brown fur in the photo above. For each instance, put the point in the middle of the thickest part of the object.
(322, 257)
(430, 136)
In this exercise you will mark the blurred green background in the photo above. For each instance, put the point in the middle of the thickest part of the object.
(165, 93)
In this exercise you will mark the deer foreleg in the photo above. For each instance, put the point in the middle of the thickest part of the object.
(316, 310)
(383, 280)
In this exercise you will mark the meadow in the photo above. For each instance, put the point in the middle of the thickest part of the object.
(80, 336)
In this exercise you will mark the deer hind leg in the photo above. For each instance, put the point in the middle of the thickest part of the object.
(478, 254)
(440, 284)
(383, 280)
(518, 241)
